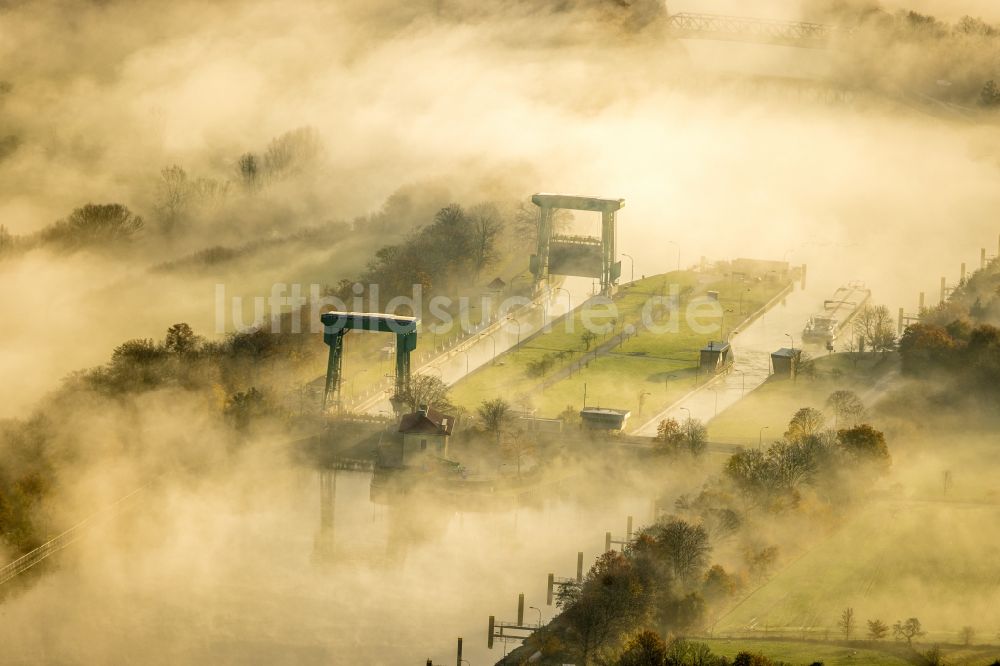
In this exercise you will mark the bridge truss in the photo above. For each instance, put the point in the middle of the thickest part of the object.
(760, 31)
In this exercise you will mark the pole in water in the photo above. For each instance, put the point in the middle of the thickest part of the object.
(579, 567)
(548, 594)
(458, 660)
(607, 541)
(628, 529)
(520, 610)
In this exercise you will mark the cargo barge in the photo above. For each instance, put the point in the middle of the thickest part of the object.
(824, 326)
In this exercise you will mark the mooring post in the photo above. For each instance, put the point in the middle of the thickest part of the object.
(628, 529)
(548, 595)
(899, 323)
(458, 659)
(607, 541)
(579, 567)
(520, 610)
(489, 633)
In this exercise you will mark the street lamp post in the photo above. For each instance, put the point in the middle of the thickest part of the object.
(494, 341)
(666, 382)
(760, 437)
(466, 352)
(515, 320)
(678, 246)
(792, 341)
(743, 387)
(689, 413)
(741, 298)
(631, 266)
(569, 298)
(539, 614)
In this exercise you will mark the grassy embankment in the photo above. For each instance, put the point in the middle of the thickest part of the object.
(659, 367)
(804, 652)
(772, 405)
(914, 551)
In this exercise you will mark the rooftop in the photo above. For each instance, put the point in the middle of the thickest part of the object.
(604, 411)
(427, 420)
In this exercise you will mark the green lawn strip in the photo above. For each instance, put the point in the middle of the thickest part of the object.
(662, 364)
(804, 652)
(617, 381)
(773, 403)
(870, 565)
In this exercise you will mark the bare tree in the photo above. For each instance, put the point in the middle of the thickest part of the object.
(967, 635)
(846, 405)
(426, 390)
(173, 194)
(495, 415)
(248, 168)
(875, 327)
(486, 229)
(6, 239)
(517, 444)
(292, 153)
(846, 622)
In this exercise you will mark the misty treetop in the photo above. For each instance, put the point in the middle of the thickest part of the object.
(959, 339)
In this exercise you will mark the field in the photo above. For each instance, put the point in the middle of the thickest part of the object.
(804, 652)
(868, 653)
(646, 372)
(773, 404)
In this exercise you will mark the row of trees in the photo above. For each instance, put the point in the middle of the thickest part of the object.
(92, 226)
(658, 583)
(903, 630)
(457, 246)
(962, 55)
(826, 460)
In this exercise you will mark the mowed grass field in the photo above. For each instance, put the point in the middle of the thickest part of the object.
(935, 560)
(772, 405)
(804, 652)
(856, 653)
(643, 374)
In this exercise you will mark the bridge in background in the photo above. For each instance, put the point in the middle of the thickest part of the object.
(758, 31)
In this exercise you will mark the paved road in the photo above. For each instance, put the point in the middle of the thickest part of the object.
(453, 364)
(752, 366)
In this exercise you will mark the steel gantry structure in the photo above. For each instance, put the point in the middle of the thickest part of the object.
(760, 31)
(585, 256)
(337, 324)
